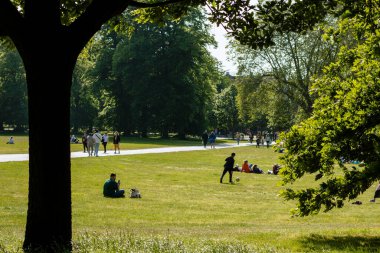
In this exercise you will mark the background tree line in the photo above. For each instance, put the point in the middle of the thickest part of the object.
(159, 79)
(162, 79)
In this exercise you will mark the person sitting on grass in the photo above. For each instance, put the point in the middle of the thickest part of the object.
(257, 170)
(112, 189)
(276, 169)
(245, 167)
(11, 140)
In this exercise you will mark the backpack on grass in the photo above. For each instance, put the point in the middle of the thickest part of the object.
(135, 193)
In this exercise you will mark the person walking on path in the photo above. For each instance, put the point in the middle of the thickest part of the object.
(258, 142)
(228, 167)
(237, 137)
(98, 139)
(212, 139)
(205, 138)
(267, 139)
(84, 142)
(90, 144)
(105, 141)
(250, 137)
(116, 141)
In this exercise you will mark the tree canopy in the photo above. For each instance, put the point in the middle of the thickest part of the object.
(344, 126)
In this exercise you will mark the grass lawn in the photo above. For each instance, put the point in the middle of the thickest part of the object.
(185, 208)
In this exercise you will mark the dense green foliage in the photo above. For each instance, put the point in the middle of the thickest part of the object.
(13, 95)
(145, 86)
(282, 76)
(344, 126)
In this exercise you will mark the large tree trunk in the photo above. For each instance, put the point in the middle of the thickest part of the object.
(49, 73)
(49, 51)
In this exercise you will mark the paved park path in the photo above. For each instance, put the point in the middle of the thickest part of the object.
(25, 157)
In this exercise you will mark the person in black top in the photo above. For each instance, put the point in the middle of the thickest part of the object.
(228, 167)
(84, 142)
(116, 141)
(205, 138)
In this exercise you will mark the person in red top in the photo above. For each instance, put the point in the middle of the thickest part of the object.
(245, 167)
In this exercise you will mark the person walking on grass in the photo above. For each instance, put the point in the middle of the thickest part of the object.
(228, 167)
(116, 141)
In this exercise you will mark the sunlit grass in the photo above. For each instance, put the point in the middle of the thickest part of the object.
(184, 208)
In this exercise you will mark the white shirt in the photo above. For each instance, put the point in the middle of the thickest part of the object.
(97, 137)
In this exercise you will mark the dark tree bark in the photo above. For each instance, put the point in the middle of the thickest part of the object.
(49, 64)
(49, 51)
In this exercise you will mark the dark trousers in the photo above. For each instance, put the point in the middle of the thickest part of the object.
(229, 170)
(377, 194)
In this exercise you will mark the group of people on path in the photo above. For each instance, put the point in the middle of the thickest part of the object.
(209, 138)
(91, 142)
(260, 139)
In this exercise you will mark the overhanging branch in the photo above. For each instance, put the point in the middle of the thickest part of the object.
(96, 14)
(138, 4)
(10, 19)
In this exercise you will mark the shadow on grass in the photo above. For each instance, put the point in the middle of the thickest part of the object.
(321, 243)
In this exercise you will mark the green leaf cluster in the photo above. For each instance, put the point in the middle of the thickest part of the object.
(344, 126)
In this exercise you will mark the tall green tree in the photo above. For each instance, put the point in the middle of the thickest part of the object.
(291, 64)
(13, 97)
(261, 107)
(83, 105)
(142, 75)
(225, 109)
